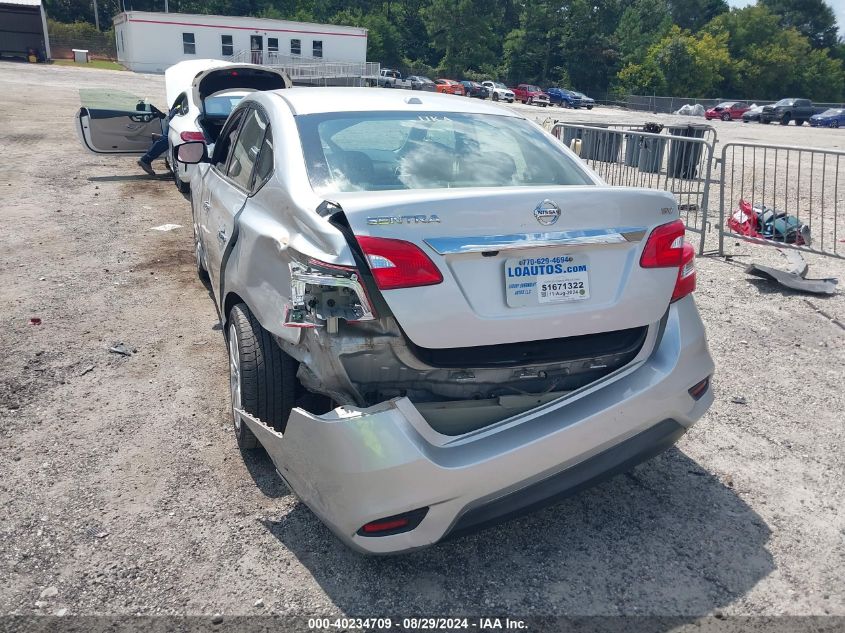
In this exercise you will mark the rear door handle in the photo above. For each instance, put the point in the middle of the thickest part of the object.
(221, 236)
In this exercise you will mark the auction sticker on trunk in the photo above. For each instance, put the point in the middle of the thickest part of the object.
(532, 281)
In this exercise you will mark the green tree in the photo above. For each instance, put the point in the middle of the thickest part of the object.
(813, 18)
(694, 14)
(681, 65)
(642, 24)
(463, 32)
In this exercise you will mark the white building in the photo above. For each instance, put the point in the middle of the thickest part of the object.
(150, 42)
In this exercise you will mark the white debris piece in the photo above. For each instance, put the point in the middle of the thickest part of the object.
(167, 227)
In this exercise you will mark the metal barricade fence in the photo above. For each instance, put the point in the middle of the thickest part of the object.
(806, 183)
(709, 132)
(676, 162)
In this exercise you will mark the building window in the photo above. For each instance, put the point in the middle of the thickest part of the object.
(272, 44)
(296, 47)
(227, 48)
(189, 47)
(317, 48)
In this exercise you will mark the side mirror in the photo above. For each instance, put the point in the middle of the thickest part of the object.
(192, 152)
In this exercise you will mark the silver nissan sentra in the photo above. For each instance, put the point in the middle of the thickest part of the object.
(437, 316)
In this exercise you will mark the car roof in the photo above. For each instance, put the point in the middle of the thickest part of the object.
(326, 100)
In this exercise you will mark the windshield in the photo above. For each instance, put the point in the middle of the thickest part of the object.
(221, 106)
(726, 104)
(375, 151)
(532, 88)
(496, 84)
(784, 102)
(833, 112)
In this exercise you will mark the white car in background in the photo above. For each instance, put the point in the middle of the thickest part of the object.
(499, 91)
(200, 95)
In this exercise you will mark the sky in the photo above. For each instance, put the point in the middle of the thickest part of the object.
(838, 7)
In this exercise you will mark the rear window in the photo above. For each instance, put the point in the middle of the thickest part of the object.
(374, 151)
(221, 106)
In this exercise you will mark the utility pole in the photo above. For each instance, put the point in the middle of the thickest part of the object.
(96, 15)
(166, 9)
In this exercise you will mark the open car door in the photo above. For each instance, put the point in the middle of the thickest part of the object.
(115, 122)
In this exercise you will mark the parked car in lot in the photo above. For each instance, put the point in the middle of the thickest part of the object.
(475, 89)
(418, 82)
(832, 117)
(752, 114)
(449, 86)
(415, 358)
(390, 78)
(727, 111)
(200, 92)
(586, 102)
(786, 110)
(499, 91)
(531, 95)
(563, 97)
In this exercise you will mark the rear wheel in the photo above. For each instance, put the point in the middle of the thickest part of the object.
(262, 378)
(834, 124)
(589, 107)
(495, 96)
(183, 187)
(726, 117)
(202, 272)
(799, 122)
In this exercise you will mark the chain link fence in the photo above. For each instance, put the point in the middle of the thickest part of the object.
(98, 45)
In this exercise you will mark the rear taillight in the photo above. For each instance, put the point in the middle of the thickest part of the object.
(685, 283)
(398, 264)
(192, 136)
(666, 248)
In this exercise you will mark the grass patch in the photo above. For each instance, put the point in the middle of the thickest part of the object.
(94, 63)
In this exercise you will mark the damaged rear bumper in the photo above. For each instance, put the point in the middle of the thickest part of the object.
(353, 466)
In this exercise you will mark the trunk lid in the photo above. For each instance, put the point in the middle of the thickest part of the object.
(522, 265)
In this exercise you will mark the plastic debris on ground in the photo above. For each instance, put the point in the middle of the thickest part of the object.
(691, 110)
(120, 348)
(166, 227)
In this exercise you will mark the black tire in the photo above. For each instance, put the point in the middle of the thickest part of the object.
(799, 122)
(266, 375)
(785, 119)
(765, 121)
(589, 107)
(835, 124)
(726, 117)
(173, 164)
(202, 272)
(495, 96)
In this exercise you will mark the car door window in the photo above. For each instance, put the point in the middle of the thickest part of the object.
(246, 149)
(180, 106)
(226, 141)
(264, 165)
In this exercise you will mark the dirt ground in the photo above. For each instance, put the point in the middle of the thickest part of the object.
(123, 491)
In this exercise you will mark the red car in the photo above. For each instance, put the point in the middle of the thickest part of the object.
(531, 95)
(449, 86)
(727, 111)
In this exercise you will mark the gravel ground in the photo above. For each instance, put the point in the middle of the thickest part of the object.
(123, 491)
